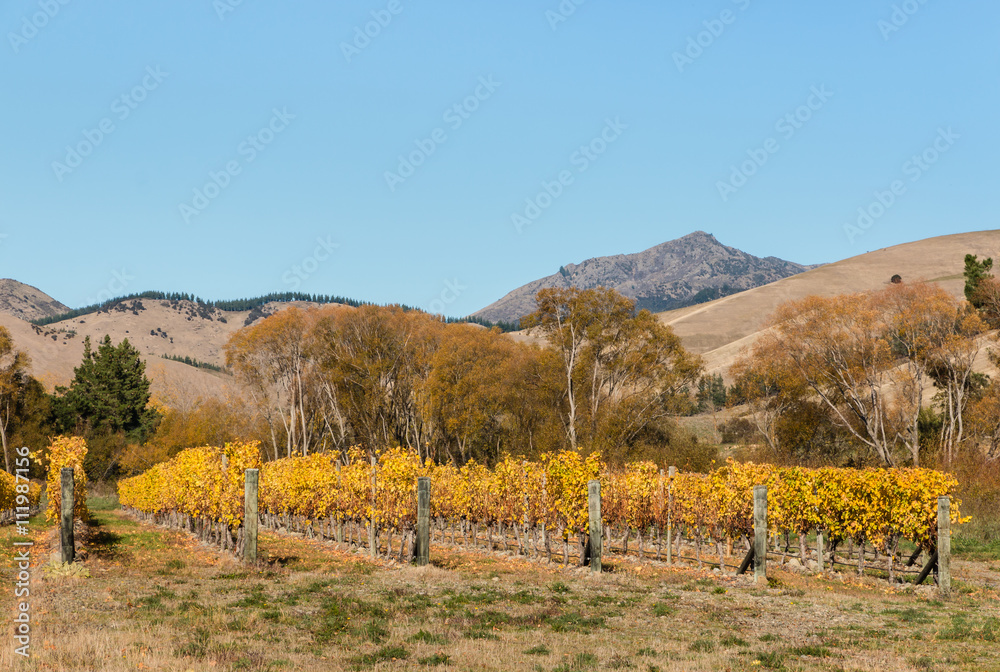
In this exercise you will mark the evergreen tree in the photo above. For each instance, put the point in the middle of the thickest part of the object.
(975, 272)
(108, 398)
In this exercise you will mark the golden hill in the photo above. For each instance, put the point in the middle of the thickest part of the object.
(718, 330)
(156, 328)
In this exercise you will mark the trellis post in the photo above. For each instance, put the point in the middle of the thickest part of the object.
(67, 551)
(596, 528)
(760, 533)
(251, 480)
(423, 543)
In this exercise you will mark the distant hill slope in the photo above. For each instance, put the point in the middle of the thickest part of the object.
(27, 302)
(720, 328)
(156, 328)
(686, 271)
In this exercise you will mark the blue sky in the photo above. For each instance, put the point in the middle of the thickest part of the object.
(440, 154)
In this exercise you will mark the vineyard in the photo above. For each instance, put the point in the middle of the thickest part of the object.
(539, 508)
(14, 495)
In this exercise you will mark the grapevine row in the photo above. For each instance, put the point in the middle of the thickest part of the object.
(875, 506)
(11, 491)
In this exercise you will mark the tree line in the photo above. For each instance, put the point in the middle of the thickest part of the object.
(242, 305)
(599, 376)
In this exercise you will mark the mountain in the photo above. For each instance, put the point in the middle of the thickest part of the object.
(718, 330)
(27, 302)
(682, 272)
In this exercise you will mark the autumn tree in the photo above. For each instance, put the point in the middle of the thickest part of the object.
(621, 369)
(13, 381)
(982, 418)
(765, 380)
(867, 358)
(270, 359)
(464, 397)
(202, 422)
(986, 298)
(374, 360)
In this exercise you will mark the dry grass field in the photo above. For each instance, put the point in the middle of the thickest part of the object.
(159, 600)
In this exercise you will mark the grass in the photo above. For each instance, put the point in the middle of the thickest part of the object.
(969, 547)
(309, 606)
(385, 654)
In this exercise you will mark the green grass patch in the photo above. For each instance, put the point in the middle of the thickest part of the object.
(383, 655)
(540, 650)
(974, 548)
(702, 646)
(436, 659)
(560, 588)
(374, 631)
(962, 629)
(909, 615)
(663, 609)
(810, 650)
(771, 660)
(574, 621)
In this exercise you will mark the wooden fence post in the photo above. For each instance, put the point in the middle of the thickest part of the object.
(340, 519)
(423, 545)
(760, 533)
(944, 545)
(596, 527)
(372, 535)
(819, 549)
(251, 480)
(67, 551)
(671, 472)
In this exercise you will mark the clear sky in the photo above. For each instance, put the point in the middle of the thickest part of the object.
(440, 154)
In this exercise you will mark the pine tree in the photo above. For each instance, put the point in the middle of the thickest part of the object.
(975, 272)
(110, 392)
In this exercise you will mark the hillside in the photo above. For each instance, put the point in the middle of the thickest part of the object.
(686, 271)
(27, 302)
(720, 328)
(155, 328)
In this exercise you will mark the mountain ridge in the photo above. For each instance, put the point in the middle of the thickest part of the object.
(692, 269)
